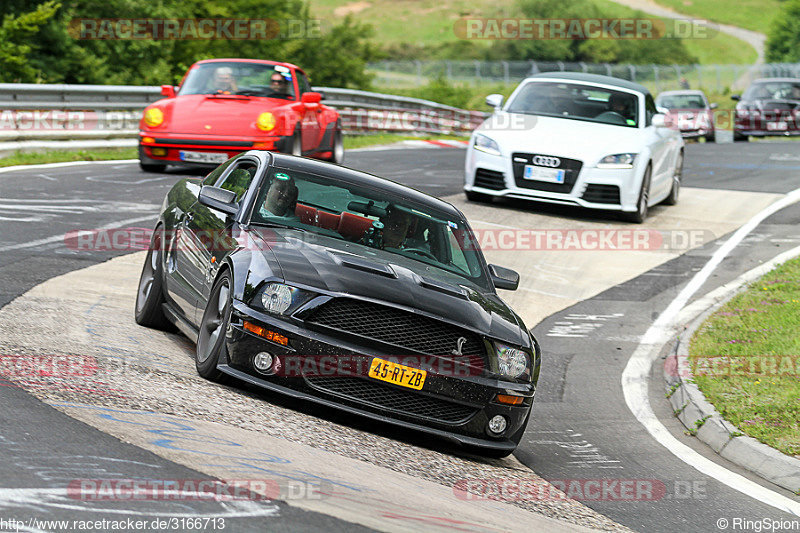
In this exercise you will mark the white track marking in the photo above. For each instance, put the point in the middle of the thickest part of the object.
(637, 371)
(56, 238)
(65, 164)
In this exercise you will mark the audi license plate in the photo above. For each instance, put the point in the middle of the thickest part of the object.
(203, 157)
(550, 175)
(777, 126)
(402, 375)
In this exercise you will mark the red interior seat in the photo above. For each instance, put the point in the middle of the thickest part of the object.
(353, 226)
(306, 214)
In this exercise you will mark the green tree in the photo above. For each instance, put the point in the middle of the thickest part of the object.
(16, 42)
(783, 41)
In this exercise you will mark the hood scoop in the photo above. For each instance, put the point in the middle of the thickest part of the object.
(446, 288)
(357, 263)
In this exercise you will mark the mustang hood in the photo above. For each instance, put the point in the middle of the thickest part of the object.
(562, 137)
(339, 266)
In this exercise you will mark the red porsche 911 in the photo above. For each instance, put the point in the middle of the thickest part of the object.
(227, 106)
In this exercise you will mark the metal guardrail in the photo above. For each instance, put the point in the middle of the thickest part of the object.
(49, 112)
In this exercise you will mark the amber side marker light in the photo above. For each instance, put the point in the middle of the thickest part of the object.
(509, 400)
(148, 140)
(267, 334)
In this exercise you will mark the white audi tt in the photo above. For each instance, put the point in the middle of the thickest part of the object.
(576, 139)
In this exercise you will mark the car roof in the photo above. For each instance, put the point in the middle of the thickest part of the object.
(592, 78)
(243, 60)
(357, 177)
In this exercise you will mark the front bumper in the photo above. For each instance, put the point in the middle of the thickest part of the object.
(167, 147)
(594, 188)
(454, 407)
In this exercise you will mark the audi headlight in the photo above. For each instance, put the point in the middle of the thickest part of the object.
(485, 144)
(279, 298)
(513, 362)
(617, 161)
(153, 117)
(265, 121)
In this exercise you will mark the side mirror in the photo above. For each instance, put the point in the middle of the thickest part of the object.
(311, 98)
(494, 100)
(736, 97)
(659, 120)
(504, 278)
(662, 110)
(168, 91)
(219, 199)
(713, 106)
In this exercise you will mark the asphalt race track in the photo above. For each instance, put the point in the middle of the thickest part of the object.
(581, 428)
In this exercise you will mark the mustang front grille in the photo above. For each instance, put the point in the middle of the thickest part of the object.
(364, 391)
(399, 328)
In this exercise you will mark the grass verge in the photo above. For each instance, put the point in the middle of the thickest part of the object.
(60, 156)
(746, 359)
(364, 141)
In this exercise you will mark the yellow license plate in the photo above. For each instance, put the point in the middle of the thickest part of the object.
(402, 375)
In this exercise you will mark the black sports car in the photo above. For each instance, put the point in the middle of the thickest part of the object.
(342, 288)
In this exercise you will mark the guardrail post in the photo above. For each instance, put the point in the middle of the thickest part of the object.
(584, 68)
(419, 71)
(655, 77)
(477, 71)
(608, 69)
(505, 72)
(560, 65)
(632, 71)
(448, 70)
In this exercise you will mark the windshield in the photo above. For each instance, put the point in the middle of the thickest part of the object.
(779, 90)
(681, 101)
(369, 218)
(252, 79)
(574, 101)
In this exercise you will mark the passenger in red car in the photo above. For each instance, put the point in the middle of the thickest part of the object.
(224, 81)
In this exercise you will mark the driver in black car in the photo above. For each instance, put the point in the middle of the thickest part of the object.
(395, 227)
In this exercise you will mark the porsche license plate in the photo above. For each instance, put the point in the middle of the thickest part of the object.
(777, 126)
(402, 375)
(203, 157)
(550, 175)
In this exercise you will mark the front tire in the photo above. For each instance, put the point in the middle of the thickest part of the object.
(640, 214)
(150, 295)
(672, 199)
(149, 165)
(213, 328)
(296, 147)
(337, 153)
(738, 137)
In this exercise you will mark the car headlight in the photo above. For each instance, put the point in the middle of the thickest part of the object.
(485, 144)
(265, 121)
(617, 161)
(513, 362)
(280, 298)
(153, 117)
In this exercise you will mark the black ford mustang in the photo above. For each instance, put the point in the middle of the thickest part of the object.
(342, 288)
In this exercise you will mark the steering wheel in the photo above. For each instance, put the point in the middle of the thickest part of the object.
(421, 251)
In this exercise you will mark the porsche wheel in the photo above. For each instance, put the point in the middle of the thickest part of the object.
(149, 165)
(640, 214)
(213, 327)
(672, 199)
(150, 296)
(297, 144)
(337, 154)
